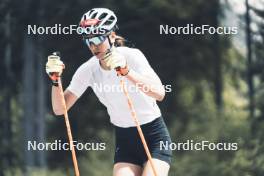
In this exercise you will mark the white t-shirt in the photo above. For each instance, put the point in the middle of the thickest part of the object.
(106, 86)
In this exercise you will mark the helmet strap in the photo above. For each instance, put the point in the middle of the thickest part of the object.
(109, 40)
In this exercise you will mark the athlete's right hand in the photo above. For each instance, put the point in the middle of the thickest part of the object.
(54, 67)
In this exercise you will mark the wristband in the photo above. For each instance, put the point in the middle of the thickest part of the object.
(54, 79)
(55, 83)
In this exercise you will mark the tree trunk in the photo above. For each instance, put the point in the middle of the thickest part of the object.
(28, 98)
(41, 88)
(41, 106)
(6, 121)
(218, 78)
(249, 63)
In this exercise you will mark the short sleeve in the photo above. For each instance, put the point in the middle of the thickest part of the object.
(140, 63)
(81, 80)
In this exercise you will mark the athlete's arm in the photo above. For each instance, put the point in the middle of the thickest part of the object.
(54, 68)
(149, 84)
(144, 77)
(57, 101)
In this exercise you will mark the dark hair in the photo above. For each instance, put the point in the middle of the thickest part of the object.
(121, 41)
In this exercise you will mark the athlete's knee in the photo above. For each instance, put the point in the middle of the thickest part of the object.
(161, 168)
(121, 169)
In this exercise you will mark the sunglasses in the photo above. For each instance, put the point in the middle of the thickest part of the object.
(95, 40)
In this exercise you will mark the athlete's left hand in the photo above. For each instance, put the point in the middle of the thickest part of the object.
(115, 60)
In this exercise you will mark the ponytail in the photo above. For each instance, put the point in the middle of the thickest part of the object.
(121, 41)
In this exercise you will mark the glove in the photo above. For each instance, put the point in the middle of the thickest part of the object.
(115, 60)
(54, 67)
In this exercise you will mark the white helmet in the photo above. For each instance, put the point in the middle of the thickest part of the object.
(98, 21)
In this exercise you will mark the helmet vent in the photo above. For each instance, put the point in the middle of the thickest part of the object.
(110, 20)
(102, 16)
(93, 15)
(99, 18)
(91, 11)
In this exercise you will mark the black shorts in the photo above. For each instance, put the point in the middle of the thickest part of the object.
(129, 147)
